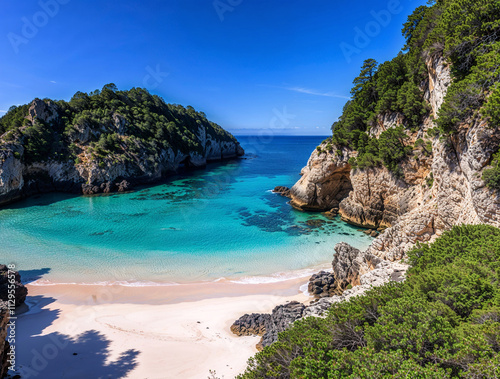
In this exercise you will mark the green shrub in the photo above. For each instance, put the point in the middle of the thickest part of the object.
(442, 322)
(491, 176)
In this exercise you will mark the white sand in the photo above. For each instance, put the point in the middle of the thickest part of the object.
(147, 332)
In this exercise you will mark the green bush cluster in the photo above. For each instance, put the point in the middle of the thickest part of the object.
(442, 322)
(150, 125)
(491, 176)
(467, 34)
(388, 150)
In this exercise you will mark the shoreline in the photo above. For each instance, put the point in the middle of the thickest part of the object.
(143, 331)
(277, 277)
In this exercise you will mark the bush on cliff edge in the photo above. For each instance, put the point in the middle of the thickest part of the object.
(442, 322)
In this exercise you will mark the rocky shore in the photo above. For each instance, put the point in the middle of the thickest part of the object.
(441, 183)
(139, 164)
(353, 273)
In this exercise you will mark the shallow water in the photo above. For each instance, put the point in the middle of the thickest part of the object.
(223, 222)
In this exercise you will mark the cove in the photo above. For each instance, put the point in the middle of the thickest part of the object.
(222, 222)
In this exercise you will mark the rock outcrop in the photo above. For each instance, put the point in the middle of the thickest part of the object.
(20, 291)
(437, 189)
(354, 273)
(138, 164)
(348, 264)
(322, 284)
(384, 272)
(251, 324)
(281, 318)
(283, 191)
(325, 181)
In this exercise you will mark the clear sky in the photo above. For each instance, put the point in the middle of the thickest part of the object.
(248, 64)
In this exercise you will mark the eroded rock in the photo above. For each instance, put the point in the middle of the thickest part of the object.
(20, 291)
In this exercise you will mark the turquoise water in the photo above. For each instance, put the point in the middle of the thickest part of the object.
(222, 222)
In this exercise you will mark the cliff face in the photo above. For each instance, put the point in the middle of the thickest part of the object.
(89, 175)
(438, 188)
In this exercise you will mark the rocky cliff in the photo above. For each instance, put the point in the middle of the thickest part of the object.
(72, 161)
(441, 183)
(353, 273)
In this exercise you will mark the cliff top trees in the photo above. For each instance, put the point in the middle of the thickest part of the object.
(133, 114)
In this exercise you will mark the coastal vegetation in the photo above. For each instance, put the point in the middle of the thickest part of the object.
(442, 322)
(107, 123)
(465, 34)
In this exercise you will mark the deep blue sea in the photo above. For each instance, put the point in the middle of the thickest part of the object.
(222, 222)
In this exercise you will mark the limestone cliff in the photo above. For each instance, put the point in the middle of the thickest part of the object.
(82, 170)
(438, 188)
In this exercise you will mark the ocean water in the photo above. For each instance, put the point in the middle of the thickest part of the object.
(223, 222)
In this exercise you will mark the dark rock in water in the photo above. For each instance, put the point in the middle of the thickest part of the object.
(89, 189)
(283, 191)
(332, 213)
(251, 324)
(281, 318)
(20, 290)
(315, 222)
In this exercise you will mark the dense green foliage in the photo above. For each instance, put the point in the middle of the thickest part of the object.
(442, 322)
(379, 90)
(491, 175)
(148, 124)
(466, 34)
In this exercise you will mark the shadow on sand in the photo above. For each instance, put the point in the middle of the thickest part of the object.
(42, 353)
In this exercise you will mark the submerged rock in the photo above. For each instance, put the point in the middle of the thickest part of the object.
(283, 191)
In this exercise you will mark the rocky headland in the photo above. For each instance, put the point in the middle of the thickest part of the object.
(104, 142)
(439, 184)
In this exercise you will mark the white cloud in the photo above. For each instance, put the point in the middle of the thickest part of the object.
(315, 92)
(52, 81)
(2, 111)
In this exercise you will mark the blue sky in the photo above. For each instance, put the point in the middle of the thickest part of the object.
(248, 64)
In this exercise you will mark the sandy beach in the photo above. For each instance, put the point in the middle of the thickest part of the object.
(179, 331)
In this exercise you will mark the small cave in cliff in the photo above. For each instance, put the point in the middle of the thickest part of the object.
(186, 163)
